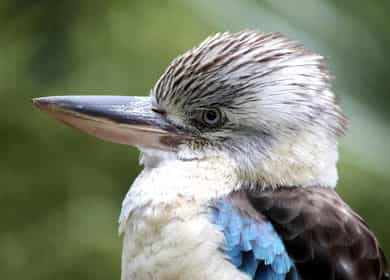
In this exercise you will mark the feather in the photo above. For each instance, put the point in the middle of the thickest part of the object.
(251, 242)
(323, 236)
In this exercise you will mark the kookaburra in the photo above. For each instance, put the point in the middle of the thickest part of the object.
(239, 143)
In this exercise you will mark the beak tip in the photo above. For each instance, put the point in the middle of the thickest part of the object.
(40, 102)
(37, 101)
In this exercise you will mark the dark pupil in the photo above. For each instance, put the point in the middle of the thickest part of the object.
(211, 116)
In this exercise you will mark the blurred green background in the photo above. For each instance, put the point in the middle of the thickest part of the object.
(61, 190)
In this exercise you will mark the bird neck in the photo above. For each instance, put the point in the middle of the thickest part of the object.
(305, 160)
(167, 181)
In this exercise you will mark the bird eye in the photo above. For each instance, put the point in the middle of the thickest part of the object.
(211, 117)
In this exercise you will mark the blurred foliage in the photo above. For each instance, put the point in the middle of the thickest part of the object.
(61, 190)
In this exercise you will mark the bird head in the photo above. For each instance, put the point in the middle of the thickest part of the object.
(257, 99)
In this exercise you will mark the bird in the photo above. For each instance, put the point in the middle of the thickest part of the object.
(239, 145)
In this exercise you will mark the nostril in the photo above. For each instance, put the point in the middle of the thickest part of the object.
(159, 111)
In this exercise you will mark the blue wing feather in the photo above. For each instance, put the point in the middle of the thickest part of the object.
(251, 245)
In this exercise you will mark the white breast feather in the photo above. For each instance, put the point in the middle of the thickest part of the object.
(167, 233)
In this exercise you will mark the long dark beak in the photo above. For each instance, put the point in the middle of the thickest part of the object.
(119, 119)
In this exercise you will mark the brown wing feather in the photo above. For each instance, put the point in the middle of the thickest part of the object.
(324, 236)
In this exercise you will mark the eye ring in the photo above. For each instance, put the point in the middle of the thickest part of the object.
(211, 117)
